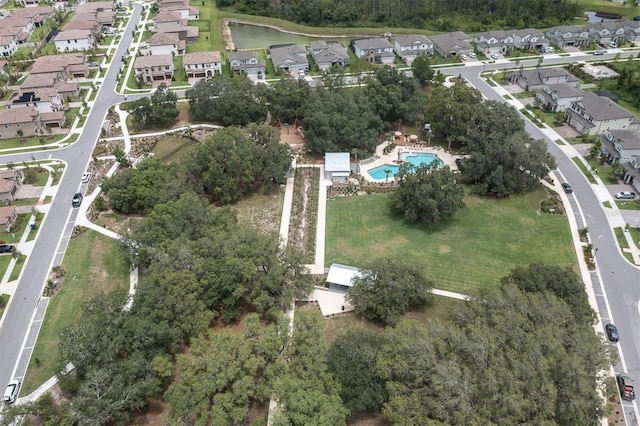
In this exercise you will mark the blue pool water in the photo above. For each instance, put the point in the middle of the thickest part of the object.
(415, 159)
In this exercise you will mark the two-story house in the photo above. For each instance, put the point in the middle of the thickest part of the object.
(594, 114)
(568, 35)
(327, 54)
(165, 18)
(529, 39)
(190, 13)
(452, 44)
(20, 122)
(246, 62)
(290, 57)
(10, 181)
(494, 41)
(606, 32)
(534, 79)
(8, 45)
(74, 40)
(186, 33)
(44, 99)
(202, 64)
(152, 68)
(65, 66)
(632, 172)
(164, 44)
(620, 145)
(558, 97)
(409, 47)
(37, 14)
(377, 49)
(631, 30)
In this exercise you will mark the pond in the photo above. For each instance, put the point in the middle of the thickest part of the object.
(595, 17)
(256, 37)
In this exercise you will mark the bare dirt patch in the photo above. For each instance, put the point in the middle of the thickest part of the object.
(262, 211)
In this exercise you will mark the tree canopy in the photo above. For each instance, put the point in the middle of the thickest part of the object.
(159, 109)
(427, 195)
(388, 288)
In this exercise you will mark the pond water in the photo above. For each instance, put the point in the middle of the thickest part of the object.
(593, 18)
(255, 37)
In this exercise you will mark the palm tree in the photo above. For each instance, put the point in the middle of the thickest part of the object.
(387, 171)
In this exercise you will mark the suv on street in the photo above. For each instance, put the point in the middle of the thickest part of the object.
(599, 52)
(86, 177)
(625, 195)
(77, 199)
(612, 332)
(11, 393)
(567, 188)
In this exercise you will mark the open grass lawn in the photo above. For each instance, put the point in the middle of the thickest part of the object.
(17, 229)
(18, 268)
(4, 263)
(627, 10)
(263, 211)
(4, 300)
(169, 145)
(476, 248)
(94, 265)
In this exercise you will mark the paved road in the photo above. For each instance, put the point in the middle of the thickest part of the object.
(50, 244)
(616, 283)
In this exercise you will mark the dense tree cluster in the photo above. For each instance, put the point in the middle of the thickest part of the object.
(503, 158)
(441, 15)
(231, 163)
(629, 84)
(159, 109)
(426, 194)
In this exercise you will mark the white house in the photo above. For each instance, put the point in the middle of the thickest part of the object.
(70, 40)
(342, 277)
(165, 44)
(495, 41)
(43, 99)
(8, 45)
(620, 145)
(409, 47)
(558, 97)
(595, 114)
(202, 64)
(246, 62)
(529, 39)
(337, 166)
(167, 19)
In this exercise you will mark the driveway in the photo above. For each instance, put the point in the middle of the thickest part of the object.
(29, 191)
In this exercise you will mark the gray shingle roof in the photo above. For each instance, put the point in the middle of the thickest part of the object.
(601, 108)
(292, 54)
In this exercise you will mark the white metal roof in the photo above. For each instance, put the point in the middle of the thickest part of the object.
(337, 162)
(342, 275)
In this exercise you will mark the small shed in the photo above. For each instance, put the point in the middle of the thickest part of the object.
(337, 166)
(342, 277)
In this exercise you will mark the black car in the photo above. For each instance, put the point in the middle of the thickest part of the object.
(567, 188)
(6, 248)
(77, 199)
(612, 332)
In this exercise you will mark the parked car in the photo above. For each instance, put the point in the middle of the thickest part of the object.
(11, 393)
(77, 199)
(301, 74)
(472, 55)
(625, 195)
(495, 56)
(612, 332)
(6, 248)
(626, 388)
(613, 45)
(463, 57)
(567, 188)
(86, 177)
(259, 75)
(599, 52)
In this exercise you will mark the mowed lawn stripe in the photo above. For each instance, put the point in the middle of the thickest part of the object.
(476, 248)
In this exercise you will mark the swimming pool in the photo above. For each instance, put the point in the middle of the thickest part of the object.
(414, 158)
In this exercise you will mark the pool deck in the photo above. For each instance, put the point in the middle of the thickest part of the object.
(392, 158)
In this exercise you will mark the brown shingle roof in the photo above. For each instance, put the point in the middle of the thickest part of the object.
(153, 61)
(196, 58)
(18, 115)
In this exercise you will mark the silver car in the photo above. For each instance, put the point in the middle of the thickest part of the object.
(11, 393)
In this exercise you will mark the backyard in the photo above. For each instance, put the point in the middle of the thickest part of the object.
(94, 264)
(480, 245)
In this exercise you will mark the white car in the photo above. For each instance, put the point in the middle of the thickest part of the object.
(495, 56)
(11, 393)
(463, 57)
(625, 195)
(86, 178)
(472, 55)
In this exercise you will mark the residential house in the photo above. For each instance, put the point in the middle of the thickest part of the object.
(44, 100)
(327, 54)
(529, 39)
(65, 88)
(10, 181)
(620, 145)
(83, 24)
(376, 49)
(289, 57)
(165, 44)
(19, 28)
(73, 40)
(594, 114)
(452, 44)
(8, 216)
(14, 120)
(606, 32)
(163, 4)
(409, 47)
(342, 277)
(188, 34)
(632, 172)
(202, 64)
(8, 45)
(534, 79)
(38, 14)
(558, 97)
(631, 30)
(65, 66)
(190, 13)
(337, 166)
(164, 18)
(152, 68)
(246, 62)
(497, 41)
(568, 35)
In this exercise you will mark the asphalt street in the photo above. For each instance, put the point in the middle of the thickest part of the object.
(616, 282)
(48, 247)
